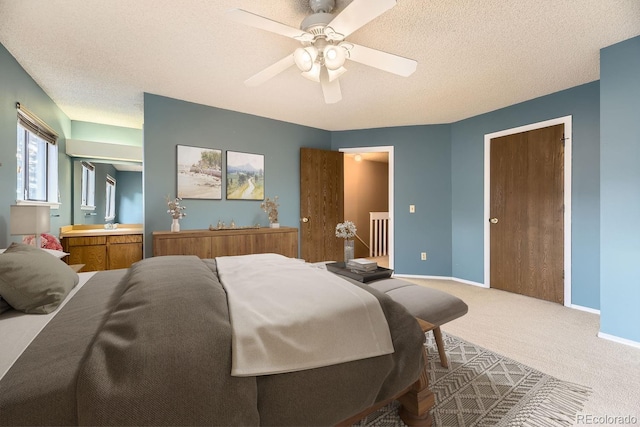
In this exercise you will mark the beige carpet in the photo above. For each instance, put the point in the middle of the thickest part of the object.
(556, 340)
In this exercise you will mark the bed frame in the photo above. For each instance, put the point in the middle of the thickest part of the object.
(416, 400)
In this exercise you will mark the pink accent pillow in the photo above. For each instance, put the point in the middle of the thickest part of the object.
(48, 241)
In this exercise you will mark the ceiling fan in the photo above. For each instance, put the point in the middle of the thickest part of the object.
(324, 50)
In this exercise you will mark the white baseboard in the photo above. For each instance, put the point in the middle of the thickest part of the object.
(619, 340)
(418, 276)
(587, 309)
(469, 282)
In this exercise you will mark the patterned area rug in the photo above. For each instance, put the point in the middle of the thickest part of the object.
(482, 388)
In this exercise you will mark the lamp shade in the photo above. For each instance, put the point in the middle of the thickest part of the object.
(28, 219)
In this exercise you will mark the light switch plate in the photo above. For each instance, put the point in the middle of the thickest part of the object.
(412, 208)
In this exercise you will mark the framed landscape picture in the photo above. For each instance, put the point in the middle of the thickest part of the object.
(199, 172)
(245, 176)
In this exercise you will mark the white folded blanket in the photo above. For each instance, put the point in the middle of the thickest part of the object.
(288, 316)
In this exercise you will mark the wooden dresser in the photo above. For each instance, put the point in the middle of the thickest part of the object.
(210, 244)
(100, 249)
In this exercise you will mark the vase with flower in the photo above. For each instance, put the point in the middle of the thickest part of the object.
(270, 206)
(347, 231)
(176, 210)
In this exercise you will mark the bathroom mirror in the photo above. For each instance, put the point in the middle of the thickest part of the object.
(128, 192)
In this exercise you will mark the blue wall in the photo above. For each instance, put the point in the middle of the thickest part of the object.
(422, 177)
(467, 157)
(17, 86)
(620, 192)
(169, 122)
(129, 197)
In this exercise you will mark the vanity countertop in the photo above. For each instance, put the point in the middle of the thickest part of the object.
(97, 230)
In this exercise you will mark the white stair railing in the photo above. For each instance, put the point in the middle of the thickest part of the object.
(378, 233)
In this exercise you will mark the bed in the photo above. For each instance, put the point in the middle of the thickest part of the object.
(154, 345)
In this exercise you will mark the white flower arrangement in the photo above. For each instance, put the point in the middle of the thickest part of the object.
(346, 230)
(175, 209)
(270, 206)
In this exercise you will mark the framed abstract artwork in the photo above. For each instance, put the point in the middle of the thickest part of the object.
(245, 176)
(199, 173)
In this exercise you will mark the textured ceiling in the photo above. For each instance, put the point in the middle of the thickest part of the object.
(96, 58)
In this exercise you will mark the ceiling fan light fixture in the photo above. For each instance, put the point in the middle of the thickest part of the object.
(334, 74)
(314, 73)
(305, 57)
(334, 57)
(324, 51)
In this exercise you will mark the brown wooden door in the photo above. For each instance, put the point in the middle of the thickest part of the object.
(527, 201)
(321, 204)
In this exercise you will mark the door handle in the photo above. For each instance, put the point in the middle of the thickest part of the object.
(304, 219)
(493, 220)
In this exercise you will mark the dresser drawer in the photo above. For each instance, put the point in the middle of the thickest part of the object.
(86, 241)
(125, 238)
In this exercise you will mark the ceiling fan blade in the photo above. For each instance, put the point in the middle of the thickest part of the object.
(330, 89)
(257, 21)
(270, 71)
(382, 60)
(357, 14)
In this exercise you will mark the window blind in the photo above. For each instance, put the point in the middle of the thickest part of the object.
(36, 125)
(88, 165)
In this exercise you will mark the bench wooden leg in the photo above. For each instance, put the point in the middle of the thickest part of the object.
(437, 333)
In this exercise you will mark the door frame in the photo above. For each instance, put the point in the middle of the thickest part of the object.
(389, 150)
(566, 121)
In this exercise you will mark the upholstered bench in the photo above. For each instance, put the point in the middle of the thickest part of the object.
(432, 305)
(428, 304)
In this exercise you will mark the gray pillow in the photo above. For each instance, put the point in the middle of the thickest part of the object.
(33, 281)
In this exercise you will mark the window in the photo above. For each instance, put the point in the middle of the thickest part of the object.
(37, 160)
(110, 214)
(88, 186)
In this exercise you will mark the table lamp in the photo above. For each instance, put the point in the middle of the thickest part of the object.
(30, 219)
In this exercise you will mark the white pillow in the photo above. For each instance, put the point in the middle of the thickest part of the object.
(55, 253)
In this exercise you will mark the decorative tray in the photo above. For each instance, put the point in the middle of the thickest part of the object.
(361, 276)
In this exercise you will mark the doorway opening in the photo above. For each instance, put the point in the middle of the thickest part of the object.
(566, 121)
(368, 182)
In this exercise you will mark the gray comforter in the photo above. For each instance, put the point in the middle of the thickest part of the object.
(151, 346)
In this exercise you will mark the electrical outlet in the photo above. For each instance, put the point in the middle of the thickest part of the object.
(412, 208)
(423, 256)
